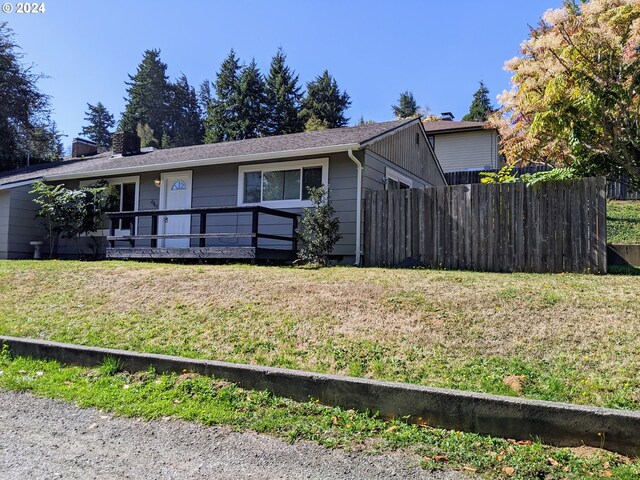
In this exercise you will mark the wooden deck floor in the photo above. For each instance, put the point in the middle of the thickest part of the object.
(231, 253)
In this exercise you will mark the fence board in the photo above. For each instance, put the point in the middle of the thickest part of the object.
(551, 227)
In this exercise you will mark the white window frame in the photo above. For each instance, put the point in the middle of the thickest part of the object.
(277, 166)
(118, 181)
(392, 174)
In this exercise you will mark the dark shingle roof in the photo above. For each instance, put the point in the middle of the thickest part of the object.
(296, 143)
(442, 126)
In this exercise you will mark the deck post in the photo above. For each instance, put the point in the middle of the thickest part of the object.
(132, 229)
(203, 228)
(254, 228)
(112, 231)
(294, 236)
(154, 230)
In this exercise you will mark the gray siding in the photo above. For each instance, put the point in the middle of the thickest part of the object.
(375, 168)
(401, 149)
(4, 223)
(23, 226)
(459, 151)
(217, 186)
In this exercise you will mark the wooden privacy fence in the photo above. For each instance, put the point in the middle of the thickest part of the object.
(550, 227)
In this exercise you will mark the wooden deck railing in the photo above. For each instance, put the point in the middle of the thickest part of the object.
(202, 235)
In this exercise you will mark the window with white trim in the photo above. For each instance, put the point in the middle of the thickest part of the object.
(396, 181)
(283, 184)
(126, 191)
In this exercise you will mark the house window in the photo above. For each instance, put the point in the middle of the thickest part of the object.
(283, 184)
(432, 141)
(396, 181)
(125, 190)
(125, 202)
(179, 185)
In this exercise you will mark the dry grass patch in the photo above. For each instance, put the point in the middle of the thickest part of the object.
(573, 337)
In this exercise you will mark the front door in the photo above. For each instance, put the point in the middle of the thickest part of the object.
(176, 194)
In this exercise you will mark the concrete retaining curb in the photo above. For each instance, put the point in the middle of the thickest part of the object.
(511, 417)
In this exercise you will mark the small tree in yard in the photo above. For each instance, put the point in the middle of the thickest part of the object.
(69, 213)
(319, 230)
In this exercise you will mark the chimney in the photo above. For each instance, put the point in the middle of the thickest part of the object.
(125, 143)
(446, 116)
(81, 148)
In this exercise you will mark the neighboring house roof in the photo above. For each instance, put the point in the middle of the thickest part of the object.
(255, 149)
(449, 126)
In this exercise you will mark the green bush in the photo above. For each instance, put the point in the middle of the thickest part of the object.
(319, 229)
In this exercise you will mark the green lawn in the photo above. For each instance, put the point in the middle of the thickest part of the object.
(561, 337)
(216, 402)
(623, 221)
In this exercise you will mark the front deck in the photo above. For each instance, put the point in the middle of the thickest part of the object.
(207, 243)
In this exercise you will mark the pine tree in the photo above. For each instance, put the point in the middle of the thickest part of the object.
(222, 123)
(407, 106)
(22, 105)
(184, 122)
(282, 98)
(100, 121)
(362, 121)
(251, 102)
(480, 108)
(324, 105)
(204, 96)
(148, 96)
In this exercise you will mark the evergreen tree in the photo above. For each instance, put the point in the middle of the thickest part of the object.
(324, 105)
(204, 96)
(148, 96)
(362, 121)
(100, 121)
(222, 122)
(480, 108)
(407, 106)
(184, 123)
(24, 110)
(251, 102)
(44, 144)
(282, 98)
(147, 136)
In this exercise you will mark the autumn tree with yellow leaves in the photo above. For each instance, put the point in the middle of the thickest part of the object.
(575, 96)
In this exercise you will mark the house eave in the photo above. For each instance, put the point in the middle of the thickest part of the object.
(9, 186)
(207, 162)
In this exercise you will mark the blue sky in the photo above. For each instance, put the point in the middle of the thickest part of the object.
(375, 49)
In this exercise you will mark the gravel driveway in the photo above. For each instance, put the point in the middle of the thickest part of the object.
(48, 439)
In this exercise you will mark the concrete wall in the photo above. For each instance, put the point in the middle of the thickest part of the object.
(476, 150)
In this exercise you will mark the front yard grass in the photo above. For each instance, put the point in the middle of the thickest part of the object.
(573, 338)
(216, 402)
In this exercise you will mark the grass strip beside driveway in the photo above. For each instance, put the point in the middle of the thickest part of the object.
(215, 402)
